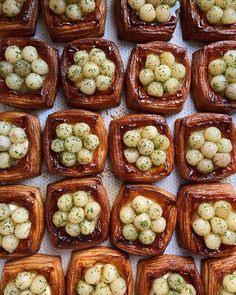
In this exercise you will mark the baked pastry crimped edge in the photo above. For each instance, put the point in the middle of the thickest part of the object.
(80, 260)
(152, 268)
(167, 201)
(99, 100)
(136, 96)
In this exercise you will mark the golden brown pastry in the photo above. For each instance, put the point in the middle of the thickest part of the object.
(77, 213)
(168, 273)
(143, 220)
(20, 156)
(214, 77)
(75, 143)
(158, 78)
(66, 22)
(18, 18)
(205, 147)
(39, 273)
(144, 149)
(100, 268)
(28, 73)
(219, 275)
(140, 21)
(205, 21)
(206, 219)
(92, 74)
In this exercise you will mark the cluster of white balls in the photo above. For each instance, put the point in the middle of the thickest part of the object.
(11, 8)
(162, 74)
(28, 283)
(78, 213)
(172, 284)
(14, 226)
(73, 9)
(92, 71)
(152, 10)
(228, 284)
(102, 279)
(216, 222)
(145, 147)
(23, 69)
(14, 144)
(223, 71)
(75, 144)
(219, 12)
(208, 150)
(142, 219)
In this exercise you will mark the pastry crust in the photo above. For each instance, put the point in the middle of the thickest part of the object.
(152, 268)
(100, 100)
(24, 24)
(48, 266)
(38, 99)
(96, 123)
(81, 260)
(205, 98)
(214, 270)
(59, 237)
(137, 97)
(64, 30)
(189, 198)
(183, 128)
(121, 168)
(30, 165)
(195, 26)
(164, 199)
(131, 28)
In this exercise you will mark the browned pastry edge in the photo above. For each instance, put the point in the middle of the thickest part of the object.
(213, 271)
(64, 30)
(131, 28)
(39, 99)
(205, 98)
(81, 260)
(58, 236)
(48, 266)
(24, 24)
(152, 268)
(121, 168)
(30, 165)
(183, 128)
(195, 26)
(189, 198)
(96, 123)
(167, 201)
(99, 100)
(137, 98)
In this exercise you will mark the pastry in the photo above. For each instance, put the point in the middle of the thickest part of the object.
(207, 219)
(77, 213)
(208, 21)
(22, 221)
(18, 18)
(75, 143)
(215, 90)
(205, 147)
(28, 73)
(168, 274)
(143, 220)
(100, 269)
(219, 275)
(144, 149)
(67, 21)
(158, 78)
(146, 20)
(20, 142)
(37, 274)
(92, 74)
